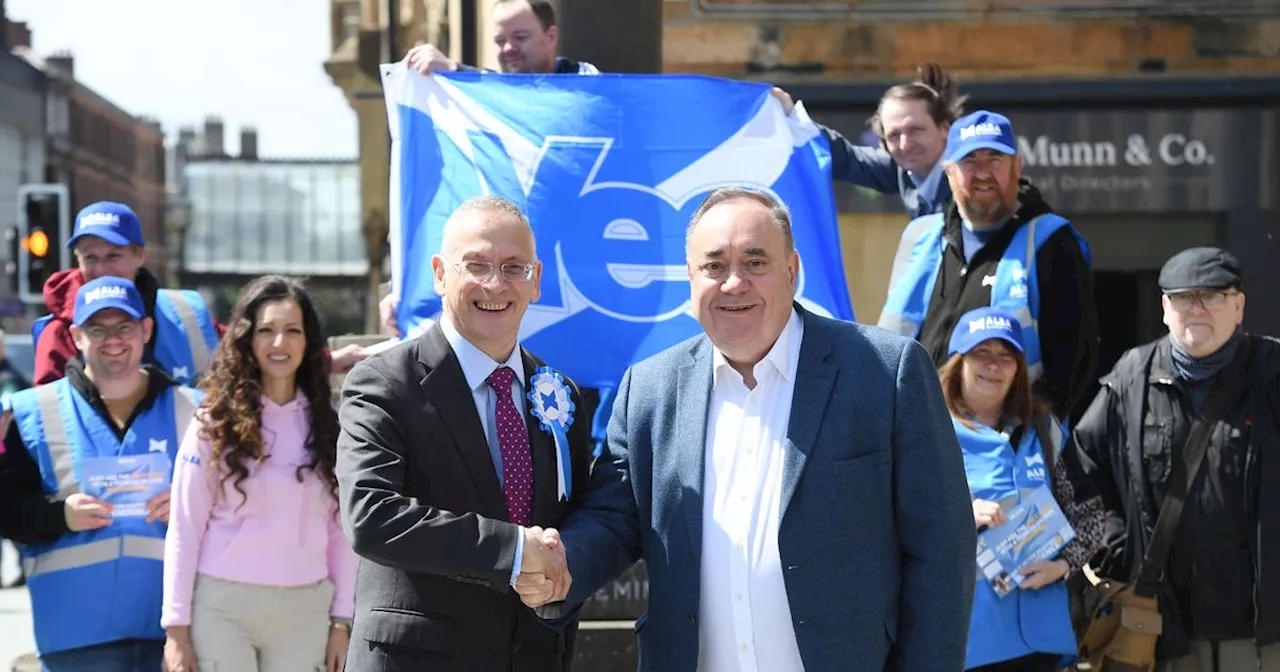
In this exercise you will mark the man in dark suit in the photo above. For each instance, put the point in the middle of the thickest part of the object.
(793, 482)
(448, 471)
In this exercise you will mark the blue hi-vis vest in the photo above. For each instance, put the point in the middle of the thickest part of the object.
(100, 585)
(1025, 621)
(1015, 288)
(185, 334)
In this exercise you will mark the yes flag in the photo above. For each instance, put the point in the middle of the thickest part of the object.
(609, 170)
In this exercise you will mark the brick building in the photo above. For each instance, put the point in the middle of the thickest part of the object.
(100, 151)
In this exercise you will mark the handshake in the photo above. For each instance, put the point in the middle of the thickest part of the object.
(544, 569)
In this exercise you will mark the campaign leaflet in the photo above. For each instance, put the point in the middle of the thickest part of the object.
(1035, 529)
(127, 482)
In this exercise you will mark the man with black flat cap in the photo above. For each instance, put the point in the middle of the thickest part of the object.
(1218, 584)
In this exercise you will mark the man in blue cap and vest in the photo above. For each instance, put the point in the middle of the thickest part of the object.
(91, 548)
(108, 241)
(999, 244)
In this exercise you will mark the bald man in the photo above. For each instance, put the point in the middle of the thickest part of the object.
(449, 469)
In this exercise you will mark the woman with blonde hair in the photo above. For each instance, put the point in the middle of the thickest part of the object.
(257, 572)
(1013, 448)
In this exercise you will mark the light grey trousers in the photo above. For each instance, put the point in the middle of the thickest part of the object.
(242, 627)
(1234, 655)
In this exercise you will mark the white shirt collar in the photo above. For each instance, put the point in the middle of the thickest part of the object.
(476, 366)
(928, 183)
(784, 356)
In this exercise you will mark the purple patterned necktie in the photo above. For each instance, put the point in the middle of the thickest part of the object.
(513, 446)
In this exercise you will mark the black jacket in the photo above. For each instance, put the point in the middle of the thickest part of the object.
(1129, 439)
(423, 508)
(27, 515)
(1068, 310)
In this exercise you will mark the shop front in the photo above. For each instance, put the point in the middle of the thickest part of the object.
(1139, 184)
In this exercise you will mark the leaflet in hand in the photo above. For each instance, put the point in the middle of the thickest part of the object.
(127, 482)
(1035, 530)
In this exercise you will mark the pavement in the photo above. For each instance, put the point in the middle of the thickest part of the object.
(16, 638)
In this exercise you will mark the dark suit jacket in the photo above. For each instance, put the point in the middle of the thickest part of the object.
(876, 535)
(422, 506)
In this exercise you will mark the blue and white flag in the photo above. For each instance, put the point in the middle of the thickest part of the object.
(609, 170)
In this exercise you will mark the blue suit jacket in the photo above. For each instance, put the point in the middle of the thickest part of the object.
(876, 535)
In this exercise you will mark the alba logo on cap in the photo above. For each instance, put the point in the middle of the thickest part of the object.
(976, 130)
(990, 322)
(100, 219)
(105, 292)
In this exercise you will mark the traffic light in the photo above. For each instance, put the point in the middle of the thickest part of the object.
(43, 228)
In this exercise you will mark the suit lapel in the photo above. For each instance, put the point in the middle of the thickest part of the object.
(815, 377)
(446, 390)
(693, 398)
(543, 447)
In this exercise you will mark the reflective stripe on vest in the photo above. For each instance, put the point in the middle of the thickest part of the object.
(195, 335)
(1015, 289)
(1025, 621)
(95, 552)
(906, 244)
(185, 334)
(55, 437)
(55, 431)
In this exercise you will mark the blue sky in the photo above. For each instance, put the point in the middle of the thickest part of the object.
(252, 62)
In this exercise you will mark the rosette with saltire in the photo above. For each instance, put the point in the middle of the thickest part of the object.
(551, 403)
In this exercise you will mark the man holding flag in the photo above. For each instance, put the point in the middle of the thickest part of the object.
(526, 35)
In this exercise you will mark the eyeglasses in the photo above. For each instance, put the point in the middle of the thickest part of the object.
(1207, 299)
(98, 333)
(481, 271)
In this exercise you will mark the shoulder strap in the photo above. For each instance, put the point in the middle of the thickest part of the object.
(1048, 446)
(1229, 385)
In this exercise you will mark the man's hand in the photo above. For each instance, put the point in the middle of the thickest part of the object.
(342, 359)
(425, 58)
(179, 655)
(784, 98)
(1042, 574)
(987, 514)
(83, 512)
(158, 508)
(544, 570)
(387, 311)
(335, 651)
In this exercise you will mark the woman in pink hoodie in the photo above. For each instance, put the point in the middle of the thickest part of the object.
(257, 573)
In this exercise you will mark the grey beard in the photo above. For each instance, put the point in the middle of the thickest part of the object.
(985, 217)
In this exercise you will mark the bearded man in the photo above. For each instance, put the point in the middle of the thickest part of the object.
(999, 244)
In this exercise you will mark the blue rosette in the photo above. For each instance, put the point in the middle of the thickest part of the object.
(552, 405)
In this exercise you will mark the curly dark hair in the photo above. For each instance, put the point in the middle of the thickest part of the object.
(232, 407)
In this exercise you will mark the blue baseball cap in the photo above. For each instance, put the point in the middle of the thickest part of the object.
(104, 293)
(980, 130)
(112, 222)
(985, 324)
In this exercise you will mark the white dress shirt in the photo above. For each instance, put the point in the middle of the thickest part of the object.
(745, 619)
(476, 367)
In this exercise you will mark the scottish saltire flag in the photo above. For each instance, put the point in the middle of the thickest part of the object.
(609, 169)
